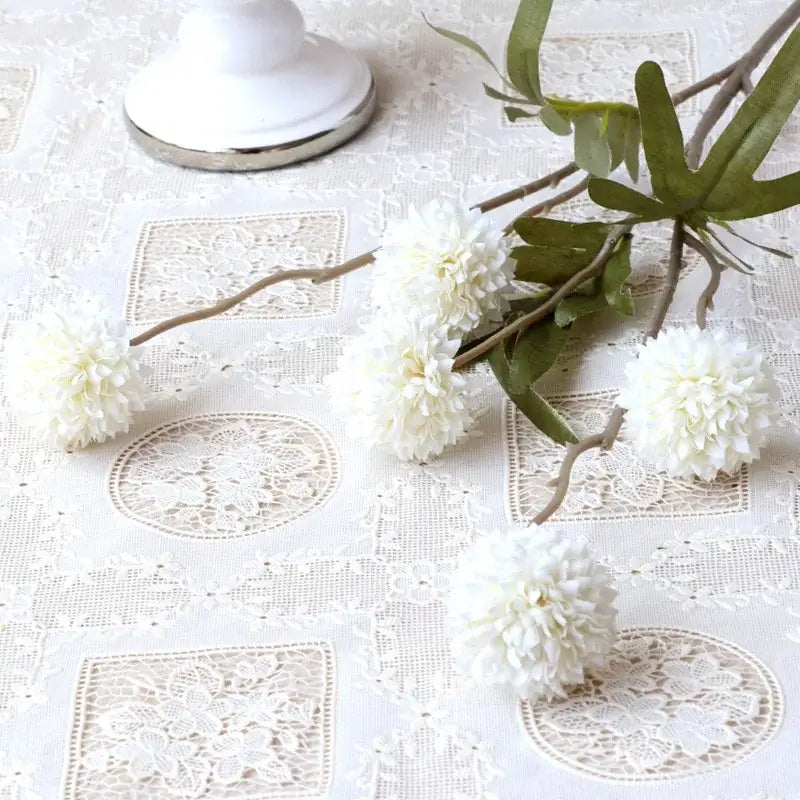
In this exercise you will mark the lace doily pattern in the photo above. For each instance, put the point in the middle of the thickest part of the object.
(225, 475)
(614, 58)
(218, 724)
(291, 363)
(184, 264)
(669, 703)
(16, 87)
(614, 484)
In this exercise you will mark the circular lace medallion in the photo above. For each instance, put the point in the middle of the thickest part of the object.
(225, 475)
(669, 704)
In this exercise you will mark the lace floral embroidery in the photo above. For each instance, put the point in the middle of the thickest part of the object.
(225, 475)
(182, 264)
(669, 703)
(16, 86)
(605, 485)
(238, 723)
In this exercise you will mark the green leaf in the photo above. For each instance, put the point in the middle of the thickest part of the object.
(725, 254)
(748, 137)
(615, 134)
(529, 402)
(556, 123)
(524, 41)
(465, 41)
(592, 152)
(673, 182)
(533, 352)
(633, 138)
(514, 114)
(616, 293)
(763, 197)
(547, 232)
(545, 417)
(570, 308)
(618, 197)
(550, 265)
(774, 250)
(495, 95)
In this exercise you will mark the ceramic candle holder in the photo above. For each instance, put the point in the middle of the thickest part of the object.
(246, 87)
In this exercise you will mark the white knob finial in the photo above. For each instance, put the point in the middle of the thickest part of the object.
(247, 88)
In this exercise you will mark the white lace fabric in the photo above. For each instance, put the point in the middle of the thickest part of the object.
(235, 600)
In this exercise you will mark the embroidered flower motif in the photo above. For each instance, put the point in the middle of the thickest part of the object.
(696, 729)
(240, 752)
(688, 679)
(419, 584)
(151, 752)
(196, 711)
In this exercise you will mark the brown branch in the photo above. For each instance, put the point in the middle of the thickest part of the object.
(547, 181)
(546, 206)
(606, 438)
(736, 80)
(705, 302)
(315, 275)
(595, 267)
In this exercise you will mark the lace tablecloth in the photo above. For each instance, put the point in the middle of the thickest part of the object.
(237, 601)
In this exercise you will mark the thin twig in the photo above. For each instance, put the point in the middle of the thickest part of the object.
(734, 82)
(706, 83)
(546, 206)
(747, 84)
(606, 438)
(315, 275)
(705, 302)
(547, 181)
(595, 267)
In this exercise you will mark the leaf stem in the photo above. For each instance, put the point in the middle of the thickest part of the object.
(595, 267)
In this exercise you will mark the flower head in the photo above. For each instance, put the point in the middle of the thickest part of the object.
(532, 610)
(448, 260)
(698, 402)
(71, 375)
(396, 386)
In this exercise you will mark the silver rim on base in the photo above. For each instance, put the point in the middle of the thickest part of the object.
(254, 158)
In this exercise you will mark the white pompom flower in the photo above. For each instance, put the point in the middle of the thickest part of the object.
(396, 387)
(447, 260)
(532, 610)
(71, 375)
(698, 402)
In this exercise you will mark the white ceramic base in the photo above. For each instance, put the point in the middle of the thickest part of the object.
(246, 88)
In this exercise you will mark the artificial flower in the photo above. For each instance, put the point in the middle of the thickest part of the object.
(396, 387)
(698, 402)
(72, 376)
(532, 610)
(448, 260)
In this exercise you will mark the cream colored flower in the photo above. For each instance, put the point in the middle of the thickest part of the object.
(447, 261)
(71, 375)
(698, 402)
(396, 387)
(532, 610)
